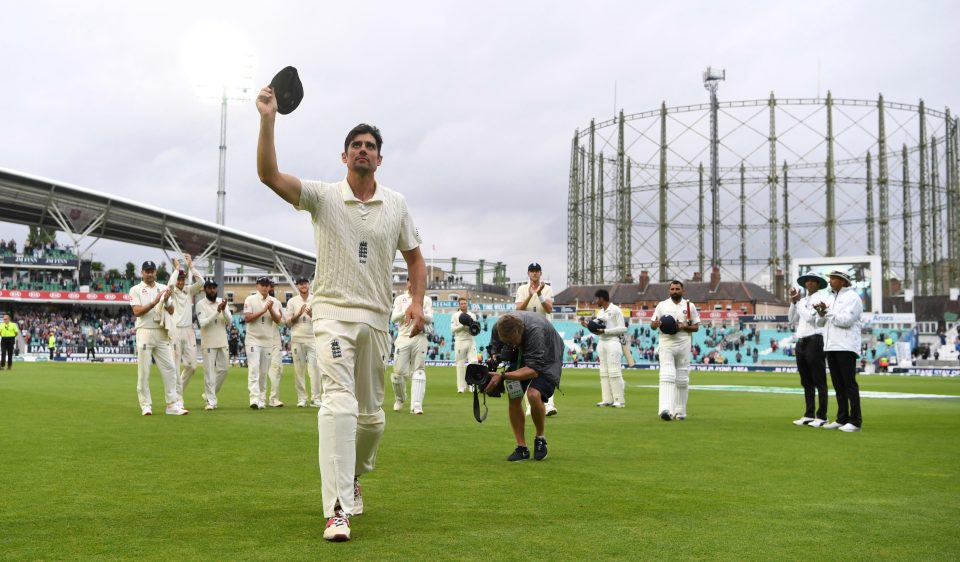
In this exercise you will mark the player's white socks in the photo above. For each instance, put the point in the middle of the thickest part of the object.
(616, 388)
(399, 387)
(417, 389)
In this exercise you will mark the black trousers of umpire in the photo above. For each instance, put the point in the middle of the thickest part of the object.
(6, 351)
(843, 374)
(812, 365)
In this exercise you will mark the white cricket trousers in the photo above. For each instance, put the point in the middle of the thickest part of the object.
(155, 344)
(216, 361)
(409, 362)
(410, 355)
(275, 373)
(258, 365)
(611, 374)
(184, 354)
(465, 349)
(674, 376)
(352, 358)
(305, 363)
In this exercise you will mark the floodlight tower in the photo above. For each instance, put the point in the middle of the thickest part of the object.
(222, 68)
(711, 81)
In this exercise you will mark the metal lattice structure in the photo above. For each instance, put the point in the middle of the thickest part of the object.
(794, 177)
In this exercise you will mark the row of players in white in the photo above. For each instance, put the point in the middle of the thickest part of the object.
(263, 314)
(410, 355)
(263, 351)
(170, 341)
(674, 357)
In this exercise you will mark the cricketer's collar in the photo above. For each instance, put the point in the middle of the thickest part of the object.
(348, 197)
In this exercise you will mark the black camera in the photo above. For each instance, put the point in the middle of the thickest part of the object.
(470, 323)
(479, 374)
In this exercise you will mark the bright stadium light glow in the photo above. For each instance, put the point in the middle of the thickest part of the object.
(219, 63)
(218, 59)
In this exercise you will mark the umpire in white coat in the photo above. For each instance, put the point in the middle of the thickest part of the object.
(811, 361)
(840, 317)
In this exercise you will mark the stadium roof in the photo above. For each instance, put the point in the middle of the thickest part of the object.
(83, 213)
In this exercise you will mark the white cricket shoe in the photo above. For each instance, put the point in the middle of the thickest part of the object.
(338, 526)
(551, 411)
(315, 403)
(833, 425)
(302, 404)
(417, 411)
(817, 422)
(177, 410)
(398, 405)
(209, 407)
(618, 405)
(803, 421)
(849, 428)
(148, 411)
(604, 404)
(276, 404)
(680, 416)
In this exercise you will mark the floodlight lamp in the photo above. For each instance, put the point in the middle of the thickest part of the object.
(711, 75)
(219, 63)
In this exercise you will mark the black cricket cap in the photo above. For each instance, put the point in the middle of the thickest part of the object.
(534, 267)
(288, 90)
(264, 280)
(148, 265)
(668, 325)
(301, 279)
(595, 325)
(209, 283)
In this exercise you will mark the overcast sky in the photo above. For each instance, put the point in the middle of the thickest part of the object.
(477, 101)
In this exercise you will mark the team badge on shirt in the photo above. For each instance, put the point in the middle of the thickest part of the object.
(363, 252)
(335, 349)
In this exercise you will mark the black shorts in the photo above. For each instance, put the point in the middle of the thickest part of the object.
(544, 386)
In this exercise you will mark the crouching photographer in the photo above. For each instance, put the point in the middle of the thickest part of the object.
(536, 372)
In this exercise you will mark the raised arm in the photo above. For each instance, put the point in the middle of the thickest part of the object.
(284, 185)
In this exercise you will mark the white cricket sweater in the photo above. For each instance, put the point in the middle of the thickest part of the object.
(356, 242)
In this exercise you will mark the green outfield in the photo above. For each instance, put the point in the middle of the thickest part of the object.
(84, 476)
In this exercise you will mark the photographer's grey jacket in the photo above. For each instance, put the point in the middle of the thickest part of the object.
(542, 346)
